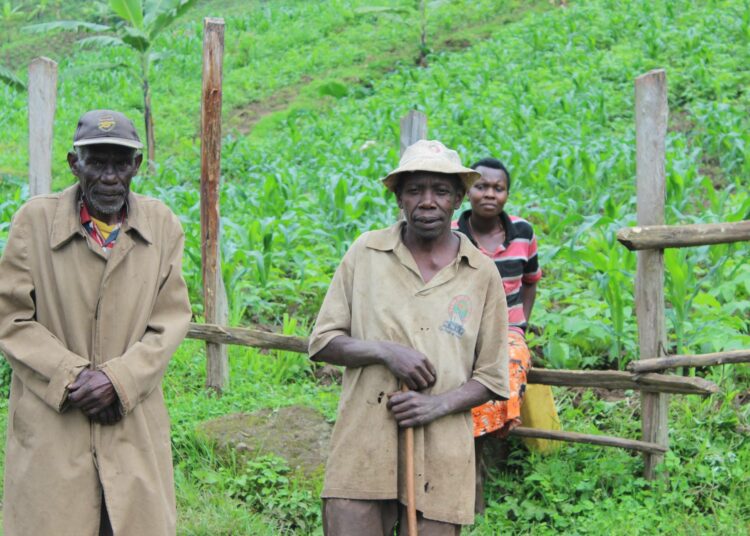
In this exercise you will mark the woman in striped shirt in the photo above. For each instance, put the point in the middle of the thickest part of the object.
(510, 242)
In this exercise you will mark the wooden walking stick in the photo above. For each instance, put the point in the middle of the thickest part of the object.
(411, 501)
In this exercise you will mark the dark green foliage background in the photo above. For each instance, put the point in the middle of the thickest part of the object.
(313, 92)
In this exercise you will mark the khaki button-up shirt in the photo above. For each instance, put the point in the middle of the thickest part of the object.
(459, 321)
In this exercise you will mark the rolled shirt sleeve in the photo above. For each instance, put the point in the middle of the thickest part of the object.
(491, 363)
(335, 315)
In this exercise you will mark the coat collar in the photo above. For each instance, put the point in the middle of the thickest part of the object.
(67, 220)
(389, 239)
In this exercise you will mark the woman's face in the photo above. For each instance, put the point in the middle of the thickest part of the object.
(490, 193)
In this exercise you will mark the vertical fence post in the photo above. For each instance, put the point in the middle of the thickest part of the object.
(651, 111)
(214, 292)
(413, 128)
(42, 100)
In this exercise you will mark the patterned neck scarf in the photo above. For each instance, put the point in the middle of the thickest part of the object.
(108, 242)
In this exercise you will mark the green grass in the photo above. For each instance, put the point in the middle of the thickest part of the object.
(590, 490)
(207, 483)
(580, 489)
(549, 91)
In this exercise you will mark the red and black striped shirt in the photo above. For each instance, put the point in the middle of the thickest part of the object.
(516, 260)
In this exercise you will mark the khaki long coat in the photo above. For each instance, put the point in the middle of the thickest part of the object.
(66, 306)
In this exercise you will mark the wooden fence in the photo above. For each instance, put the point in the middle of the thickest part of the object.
(649, 238)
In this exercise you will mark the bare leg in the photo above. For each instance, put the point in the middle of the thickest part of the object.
(480, 472)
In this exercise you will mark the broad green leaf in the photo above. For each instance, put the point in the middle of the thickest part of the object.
(135, 38)
(163, 16)
(151, 8)
(706, 299)
(8, 77)
(339, 194)
(131, 11)
(557, 354)
(66, 25)
(155, 57)
(100, 41)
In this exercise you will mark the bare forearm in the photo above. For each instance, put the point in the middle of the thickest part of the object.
(408, 365)
(469, 395)
(528, 297)
(349, 352)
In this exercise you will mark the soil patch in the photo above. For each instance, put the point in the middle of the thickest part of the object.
(680, 121)
(56, 46)
(298, 434)
(328, 374)
(244, 118)
(743, 398)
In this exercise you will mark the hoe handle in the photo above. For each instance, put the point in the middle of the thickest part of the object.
(411, 502)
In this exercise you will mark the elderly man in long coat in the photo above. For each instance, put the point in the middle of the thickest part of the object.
(92, 306)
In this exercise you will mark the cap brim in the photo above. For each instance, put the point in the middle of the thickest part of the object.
(105, 140)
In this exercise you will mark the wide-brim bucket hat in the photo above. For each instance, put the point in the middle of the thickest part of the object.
(431, 155)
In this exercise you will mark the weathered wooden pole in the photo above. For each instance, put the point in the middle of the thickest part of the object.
(214, 292)
(413, 129)
(651, 112)
(592, 439)
(682, 236)
(42, 101)
(701, 360)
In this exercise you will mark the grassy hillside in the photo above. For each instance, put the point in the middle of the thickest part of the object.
(313, 96)
(277, 54)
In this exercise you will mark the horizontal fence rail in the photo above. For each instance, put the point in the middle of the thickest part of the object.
(700, 360)
(603, 379)
(681, 236)
(247, 337)
(601, 440)
(614, 379)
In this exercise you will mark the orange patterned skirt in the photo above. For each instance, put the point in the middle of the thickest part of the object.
(499, 417)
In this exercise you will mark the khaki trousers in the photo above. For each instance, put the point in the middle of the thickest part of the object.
(350, 517)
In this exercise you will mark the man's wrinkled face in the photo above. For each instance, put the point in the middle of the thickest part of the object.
(428, 201)
(490, 193)
(105, 172)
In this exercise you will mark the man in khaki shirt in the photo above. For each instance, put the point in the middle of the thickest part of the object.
(415, 304)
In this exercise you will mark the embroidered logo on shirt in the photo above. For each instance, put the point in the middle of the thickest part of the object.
(458, 312)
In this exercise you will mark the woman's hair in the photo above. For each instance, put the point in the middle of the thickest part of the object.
(493, 163)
